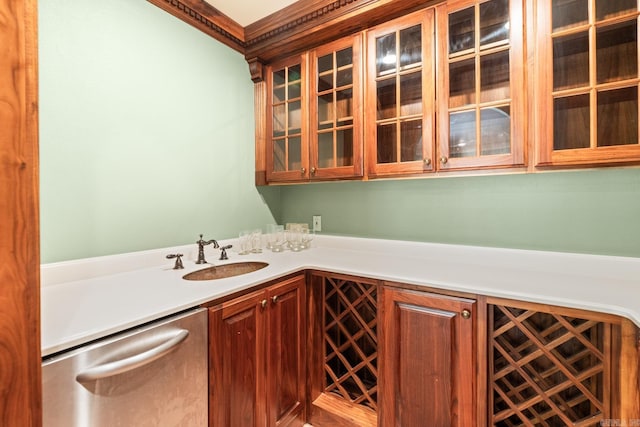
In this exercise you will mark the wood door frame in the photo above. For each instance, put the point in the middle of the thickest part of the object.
(20, 354)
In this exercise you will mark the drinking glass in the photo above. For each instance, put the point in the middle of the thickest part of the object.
(307, 237)
(294, 237)
(277, 238)
(256, 241)
(244, 242)
(270, 237)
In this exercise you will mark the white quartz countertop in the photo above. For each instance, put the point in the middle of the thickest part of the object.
(87, 299)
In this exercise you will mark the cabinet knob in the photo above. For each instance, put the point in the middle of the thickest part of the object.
(313, 171)
(444, 160)
(263, 303)
(274, 299)
(427, 162)
(303, 171)
(466, 314)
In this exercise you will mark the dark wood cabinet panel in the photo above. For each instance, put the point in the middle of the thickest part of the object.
(236, 362)
(427, 359)
(285, 373)
(257, 368)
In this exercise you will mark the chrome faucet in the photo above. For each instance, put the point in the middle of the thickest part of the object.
(201, 244)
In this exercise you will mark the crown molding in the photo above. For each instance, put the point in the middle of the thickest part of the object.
(206, 18)
(300, 26)
(307, 24)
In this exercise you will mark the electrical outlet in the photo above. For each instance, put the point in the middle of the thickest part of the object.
(317, 223)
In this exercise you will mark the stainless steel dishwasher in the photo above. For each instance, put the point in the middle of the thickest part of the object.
(155, 375)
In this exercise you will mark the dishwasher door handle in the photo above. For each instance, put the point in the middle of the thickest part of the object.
(130, 363)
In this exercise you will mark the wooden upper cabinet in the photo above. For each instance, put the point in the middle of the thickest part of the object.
(453, 87)
(335, 109)
(481, 101)
(588, 77)
(400, 98)
(287, 146)
(314, 124)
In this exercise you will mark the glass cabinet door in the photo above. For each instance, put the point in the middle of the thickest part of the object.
(400, 96)
(335, 110)
(481, 84)
(287, 152)
(588, 77)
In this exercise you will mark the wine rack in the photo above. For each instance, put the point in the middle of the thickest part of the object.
(547, 369)
(350, 341)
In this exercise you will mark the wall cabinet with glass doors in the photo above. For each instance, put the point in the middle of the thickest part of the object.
(287, 146)
(445, 89)
(587, 68)
(481, 81)
(400, 109)
(316, 134)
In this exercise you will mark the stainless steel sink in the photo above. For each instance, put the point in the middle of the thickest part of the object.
(226, 270)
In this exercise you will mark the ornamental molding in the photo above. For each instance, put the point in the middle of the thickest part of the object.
(301, 20)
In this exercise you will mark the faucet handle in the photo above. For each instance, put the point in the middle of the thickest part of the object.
(178, 257)
(223, 254)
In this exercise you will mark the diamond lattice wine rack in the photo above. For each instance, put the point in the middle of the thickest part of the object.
(547, 369)
(350, 341)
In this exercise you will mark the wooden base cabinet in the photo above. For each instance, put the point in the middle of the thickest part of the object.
(427, 359)
(257, 372)
(552, 366)
(342, 351)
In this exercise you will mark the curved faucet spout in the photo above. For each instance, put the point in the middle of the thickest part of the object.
(201, 244)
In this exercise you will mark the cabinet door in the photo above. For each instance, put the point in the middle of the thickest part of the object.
(336, 109)
(287, 142)
(481, 84)
(236, 371)
(427, 360)
(285, 362)
(399, 115)
(588, 81)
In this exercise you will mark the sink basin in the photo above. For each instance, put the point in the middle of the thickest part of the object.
(224, 271)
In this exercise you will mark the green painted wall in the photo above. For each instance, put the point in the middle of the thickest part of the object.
(146, 132)
(146, 139)
(595, 211)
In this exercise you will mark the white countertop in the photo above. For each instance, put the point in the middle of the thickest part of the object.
(91, 298)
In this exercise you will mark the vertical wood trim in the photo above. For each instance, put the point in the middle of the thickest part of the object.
(481, 344)
(544, 83)
(260, 109)
(518, 79)
(630, 371)
(20, 378)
